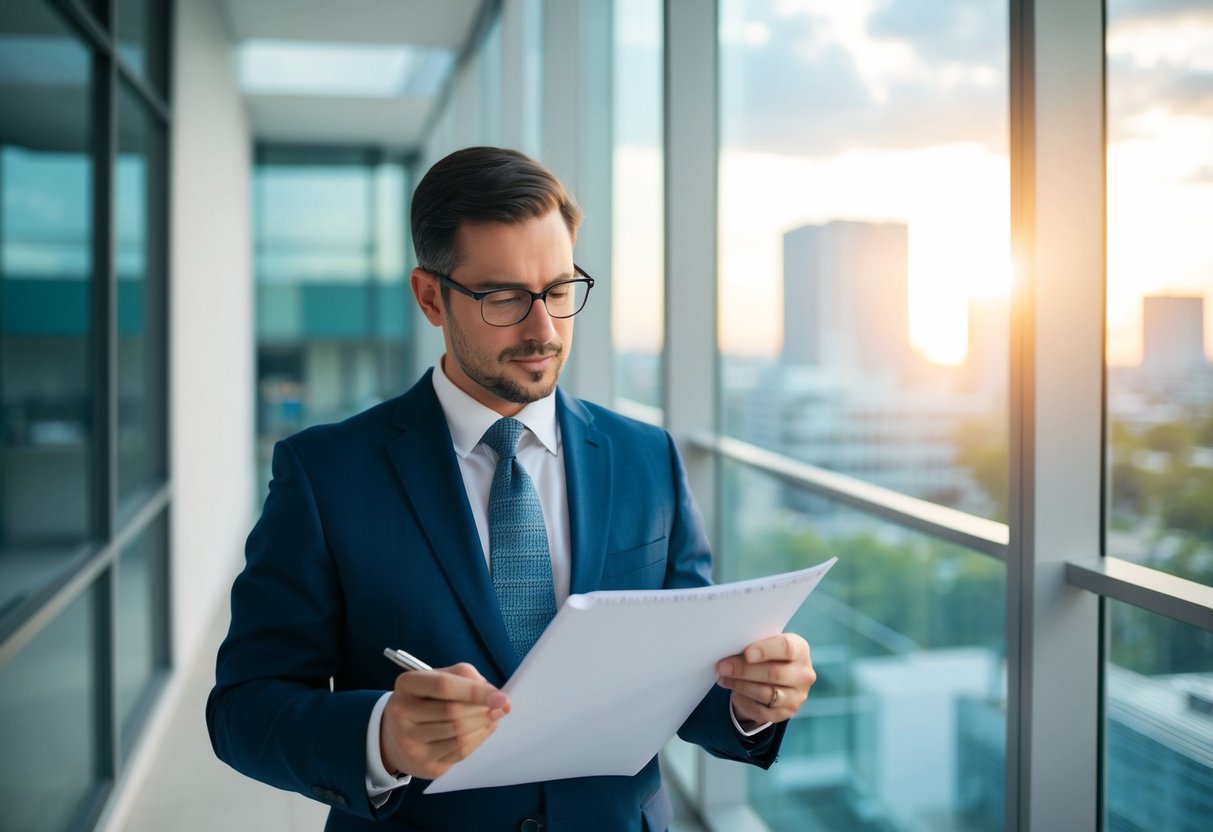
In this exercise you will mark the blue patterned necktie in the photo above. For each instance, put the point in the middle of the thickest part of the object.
(518, 542)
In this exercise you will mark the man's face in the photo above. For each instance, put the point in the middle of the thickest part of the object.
(507, 367)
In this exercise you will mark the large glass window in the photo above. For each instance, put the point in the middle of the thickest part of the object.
(864, 241)
(140, 648)
(49, 769)
(140, 42)
(1158, 723)
(141, 452)
(638, 206)
(1160, 274)
(906, 725)
(47, 393)
(331, 291)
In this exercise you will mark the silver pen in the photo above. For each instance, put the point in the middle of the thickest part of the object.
(406, 660)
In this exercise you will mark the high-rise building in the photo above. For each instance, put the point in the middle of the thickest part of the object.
(846, 297)
(1173, 335)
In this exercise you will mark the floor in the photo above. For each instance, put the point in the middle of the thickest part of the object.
(189, 790)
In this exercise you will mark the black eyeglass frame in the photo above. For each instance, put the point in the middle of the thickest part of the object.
(543, 296)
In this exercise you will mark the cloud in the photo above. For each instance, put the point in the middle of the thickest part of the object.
(916, 73)
(957, 31)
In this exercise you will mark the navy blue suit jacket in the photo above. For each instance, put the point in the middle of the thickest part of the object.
(367, 541)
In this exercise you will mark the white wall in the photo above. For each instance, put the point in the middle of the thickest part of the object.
(211, 324)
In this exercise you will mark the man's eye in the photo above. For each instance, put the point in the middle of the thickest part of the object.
(559, 294)
(502, 300)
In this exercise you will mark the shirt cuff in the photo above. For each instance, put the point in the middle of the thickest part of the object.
(732, 715)
(378, 782)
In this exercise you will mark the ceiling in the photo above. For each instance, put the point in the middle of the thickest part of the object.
(393, 121)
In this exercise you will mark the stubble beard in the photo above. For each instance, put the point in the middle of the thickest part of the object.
(480, 369)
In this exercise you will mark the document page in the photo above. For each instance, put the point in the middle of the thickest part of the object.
(617, 672)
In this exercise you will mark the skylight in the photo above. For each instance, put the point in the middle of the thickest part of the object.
(278, 67)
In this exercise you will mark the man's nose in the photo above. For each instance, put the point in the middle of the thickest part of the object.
(538, 325)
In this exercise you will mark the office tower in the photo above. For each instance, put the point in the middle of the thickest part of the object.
(846, 297)
(1173, 333)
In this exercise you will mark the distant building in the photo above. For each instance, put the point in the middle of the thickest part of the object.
(846, 297)
(1173, 336)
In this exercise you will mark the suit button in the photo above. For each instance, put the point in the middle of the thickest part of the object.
(531, 825)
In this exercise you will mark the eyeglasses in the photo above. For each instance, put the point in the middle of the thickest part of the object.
(507, 307)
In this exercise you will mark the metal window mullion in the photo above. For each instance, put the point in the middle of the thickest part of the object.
(690, 382)
(105, 405)
(1054, 661)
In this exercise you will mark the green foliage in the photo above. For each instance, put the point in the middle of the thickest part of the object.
(983, 446)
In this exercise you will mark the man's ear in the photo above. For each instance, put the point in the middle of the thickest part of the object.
(428, 293)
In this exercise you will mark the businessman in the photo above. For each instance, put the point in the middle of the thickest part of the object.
(453, 521)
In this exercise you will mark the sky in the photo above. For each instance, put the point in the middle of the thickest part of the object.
(896, 110)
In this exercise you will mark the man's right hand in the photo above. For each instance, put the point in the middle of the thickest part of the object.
(435, 718)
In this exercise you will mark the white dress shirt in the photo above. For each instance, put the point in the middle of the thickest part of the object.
(540, 452)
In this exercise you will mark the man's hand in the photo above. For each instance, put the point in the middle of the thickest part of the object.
(770, 680)
(435, 718)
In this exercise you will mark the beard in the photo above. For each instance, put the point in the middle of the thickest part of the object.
(489, 372)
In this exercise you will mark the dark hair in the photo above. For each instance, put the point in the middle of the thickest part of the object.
(476, 185)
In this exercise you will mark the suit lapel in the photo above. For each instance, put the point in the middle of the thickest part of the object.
(425, 462)
(587, 470)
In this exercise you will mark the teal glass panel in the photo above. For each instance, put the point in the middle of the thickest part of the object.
(141, 409)
(1158, 723)
(48, 729)
(46, 248)
(140, 626)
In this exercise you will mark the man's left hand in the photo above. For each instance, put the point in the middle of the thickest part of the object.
(770, 680)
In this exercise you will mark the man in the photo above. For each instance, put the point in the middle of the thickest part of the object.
(452, 522)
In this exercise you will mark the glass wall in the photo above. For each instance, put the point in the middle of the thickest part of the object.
(637, 203)
(864, 227)
(906, 725)
(83, 392)
(1160, 272)
(47, 341)
(1158, 718)
(332, 298)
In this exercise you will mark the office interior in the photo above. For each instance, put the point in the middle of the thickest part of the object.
(918, 285)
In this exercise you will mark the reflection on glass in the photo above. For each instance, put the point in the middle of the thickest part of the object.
(489, 59)
(139, 629)
(1159, 729)
(905, 728)
(1160, 273)
(46, 238)
(637, 255)
(332, 301)
(47, 728)
(864, 255)
(139, 454)
(132, 33)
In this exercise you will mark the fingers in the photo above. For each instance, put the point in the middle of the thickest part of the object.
(784, 647)
(770, 679)
(454, 684)
(435, 718)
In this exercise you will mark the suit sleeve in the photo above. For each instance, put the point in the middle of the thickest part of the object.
(689, 565)
(272, 714)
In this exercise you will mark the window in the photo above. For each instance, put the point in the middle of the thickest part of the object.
(1160, 275)
(864, 257)
(638, 251)
(332, 299)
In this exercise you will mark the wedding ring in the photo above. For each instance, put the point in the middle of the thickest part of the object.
(774, 697)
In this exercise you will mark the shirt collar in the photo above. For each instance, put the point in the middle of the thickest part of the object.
(468, 419)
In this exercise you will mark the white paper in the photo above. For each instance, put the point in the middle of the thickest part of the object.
(616, 674)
